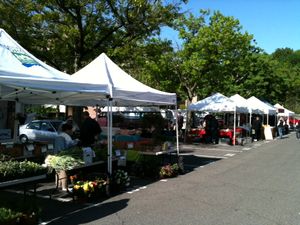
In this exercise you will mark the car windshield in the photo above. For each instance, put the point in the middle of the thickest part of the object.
(56, 124)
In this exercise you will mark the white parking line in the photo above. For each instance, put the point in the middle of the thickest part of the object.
(211, 149)
(219, 149)
(229, 155)
(136, 190)
(211, 156)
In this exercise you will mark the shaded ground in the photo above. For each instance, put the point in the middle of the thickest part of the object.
(53, 204)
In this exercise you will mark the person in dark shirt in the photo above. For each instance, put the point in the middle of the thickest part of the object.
(256, 129)
(214, 130)
(297, 129)
(89, 130)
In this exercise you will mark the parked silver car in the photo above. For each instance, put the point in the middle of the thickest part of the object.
(39, 130)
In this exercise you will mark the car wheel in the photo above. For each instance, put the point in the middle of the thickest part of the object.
(23, 138)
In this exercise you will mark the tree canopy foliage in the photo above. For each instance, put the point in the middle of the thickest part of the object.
(68, 34)
(215, 53)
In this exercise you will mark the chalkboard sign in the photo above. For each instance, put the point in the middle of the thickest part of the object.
(268, 133)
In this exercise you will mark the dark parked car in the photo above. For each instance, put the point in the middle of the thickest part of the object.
(39, 130)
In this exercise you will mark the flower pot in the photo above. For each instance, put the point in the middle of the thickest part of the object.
(61, 180)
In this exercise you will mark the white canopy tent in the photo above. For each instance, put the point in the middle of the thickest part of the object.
(241, 101)
(26, 79)
(124, 90)
(218, 103)
(266, 108)
(282, 111)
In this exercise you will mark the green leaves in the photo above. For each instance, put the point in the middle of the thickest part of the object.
(69, 34)
(10, 170)
(63, 162)
(216, 54)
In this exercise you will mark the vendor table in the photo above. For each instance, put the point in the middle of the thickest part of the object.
(25, 182)
(197, 133)
(163, 156)
(223, 133)
(226, 133)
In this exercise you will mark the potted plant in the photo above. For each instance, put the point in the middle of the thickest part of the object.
(8, 216)
(169, 170)
(120, 180)
(11, 217)
(61, 164)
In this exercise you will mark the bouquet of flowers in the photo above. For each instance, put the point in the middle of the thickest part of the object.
(89, 188)
(169, 170)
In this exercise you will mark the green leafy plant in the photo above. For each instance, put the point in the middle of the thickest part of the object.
(121, 178)
(10, 170)
(63, 162)
(8, 216)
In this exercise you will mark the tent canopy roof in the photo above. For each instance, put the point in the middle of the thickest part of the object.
(124, 89)
(241, 101)
(26, 79)
(266, 108)
(217, 103)
(286, 111)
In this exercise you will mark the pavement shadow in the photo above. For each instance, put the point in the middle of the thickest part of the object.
(52, 211)
(191, 162)
(90, 213)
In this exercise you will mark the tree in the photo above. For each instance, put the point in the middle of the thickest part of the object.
(282, 54)
(68, 34)
(289, 69)
(267, 80)
(215, 56)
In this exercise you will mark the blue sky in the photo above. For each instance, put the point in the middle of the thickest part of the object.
(274, 23)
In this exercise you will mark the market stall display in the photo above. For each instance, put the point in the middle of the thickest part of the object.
(219, 103)
(101, 82)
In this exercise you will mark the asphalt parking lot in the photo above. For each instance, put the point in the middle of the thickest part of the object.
(195, 155)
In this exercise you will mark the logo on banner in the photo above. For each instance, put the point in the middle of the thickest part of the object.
(21, 55)
(25, 59)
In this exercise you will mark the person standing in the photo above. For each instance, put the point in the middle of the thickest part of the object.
(297, 127)
(215, 130)
(67, 133)
(256, 129)
(89, 131)
(280, 127)
(180, 124)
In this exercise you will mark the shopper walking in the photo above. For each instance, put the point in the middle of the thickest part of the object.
(280, 127)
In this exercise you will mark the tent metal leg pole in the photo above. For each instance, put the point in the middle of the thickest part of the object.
(177, 132)
(234, 126)
(110, 137)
